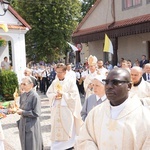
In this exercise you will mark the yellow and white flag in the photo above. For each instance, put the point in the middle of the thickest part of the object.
(4, 27)
(108, 47)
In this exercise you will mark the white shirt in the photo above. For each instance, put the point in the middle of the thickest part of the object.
(103, 71)
(115, 110)
(85, 73)
(102, 98)
(5, 65)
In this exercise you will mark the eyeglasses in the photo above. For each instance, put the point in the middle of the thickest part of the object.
(114, 82)
(25, 84)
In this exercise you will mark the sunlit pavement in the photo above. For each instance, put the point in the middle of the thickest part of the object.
(11, 133)
(10, 129)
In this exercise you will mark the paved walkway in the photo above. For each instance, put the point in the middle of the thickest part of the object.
(10, 129)
(11, 133)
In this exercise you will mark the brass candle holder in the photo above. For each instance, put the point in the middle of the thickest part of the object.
(13, 107)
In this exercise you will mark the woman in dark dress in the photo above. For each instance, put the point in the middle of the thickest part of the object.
(29, 124)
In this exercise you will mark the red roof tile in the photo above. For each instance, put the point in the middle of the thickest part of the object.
(118, 24)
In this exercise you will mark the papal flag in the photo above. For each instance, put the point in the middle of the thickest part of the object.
(74, 48)
(4, 27)
(108, 47)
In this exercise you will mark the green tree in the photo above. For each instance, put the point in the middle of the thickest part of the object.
(86, 5)
(8, 83)
(52, 22)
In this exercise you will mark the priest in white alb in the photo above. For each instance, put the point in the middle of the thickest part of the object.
(140, 86)
(65, 106)
(119, 123)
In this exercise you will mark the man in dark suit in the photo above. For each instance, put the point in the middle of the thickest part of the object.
(52, 75)
(143, 61)
(28, 72)
(146, 75)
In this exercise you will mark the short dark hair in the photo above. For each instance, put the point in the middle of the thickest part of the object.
(68, 64)
(144, 56)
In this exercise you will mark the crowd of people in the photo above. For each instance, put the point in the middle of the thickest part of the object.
(115, 113)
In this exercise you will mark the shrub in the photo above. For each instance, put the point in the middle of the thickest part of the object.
(8, 84)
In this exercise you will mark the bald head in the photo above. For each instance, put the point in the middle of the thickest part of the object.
(137, 68)
(121, 72)
(136, 74)
(117, 86)
(148, 64)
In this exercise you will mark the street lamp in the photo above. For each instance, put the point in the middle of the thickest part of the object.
(4, 5)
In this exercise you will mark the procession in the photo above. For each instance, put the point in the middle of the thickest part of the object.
(72, 79)
(68, 117)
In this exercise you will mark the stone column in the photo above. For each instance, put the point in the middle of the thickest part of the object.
(18, 54)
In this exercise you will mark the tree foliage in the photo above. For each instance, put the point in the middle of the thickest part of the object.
(86, 5)
(52, 22)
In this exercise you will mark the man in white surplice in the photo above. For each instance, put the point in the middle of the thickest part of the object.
(140, 86)
(70, 73)
(65, 106)
(121, 122)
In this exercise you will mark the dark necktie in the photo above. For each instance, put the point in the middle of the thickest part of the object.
(80, 74)
(148, 76)
(99, 101)
(46, 73)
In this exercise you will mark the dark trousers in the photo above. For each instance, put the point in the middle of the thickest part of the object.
(80, 87)
(43, 85)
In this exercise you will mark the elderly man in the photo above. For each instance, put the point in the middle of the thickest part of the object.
(95, 99)
(140, 86)
(28, 72)
(65, 106)
(146, 74)
(118, 122)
